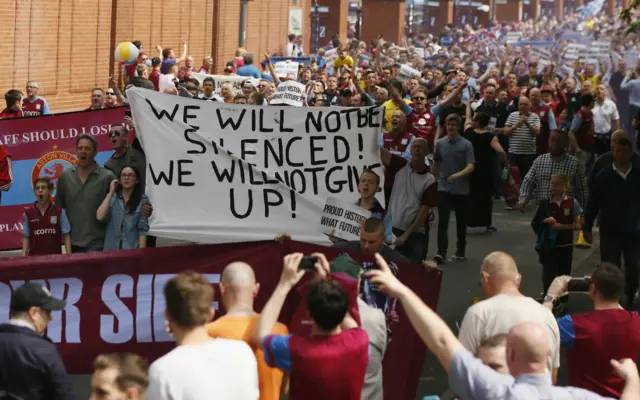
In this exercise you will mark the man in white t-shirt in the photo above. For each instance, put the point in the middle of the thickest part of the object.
(505, 307)
(200, 367)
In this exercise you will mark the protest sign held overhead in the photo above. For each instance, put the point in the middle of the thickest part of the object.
(284, 68)
(289, 93)
(220, 80)
(342, 220)
(249, 172)
(406, 72)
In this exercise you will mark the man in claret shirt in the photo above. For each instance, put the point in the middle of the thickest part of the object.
(111, 100)
(333, 362)
(97, 99)
(397, 141)
(34, 105)
(595, 337)
(14, 105)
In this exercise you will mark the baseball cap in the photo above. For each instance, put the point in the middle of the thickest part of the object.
(34, 295)
(345, 264)
(547, 88)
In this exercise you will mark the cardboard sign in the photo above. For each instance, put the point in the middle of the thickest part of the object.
(290, 92)
(513, 37)
(342, 220)
(406, 72)
(236, 81)
(575, 51)
(284, 68)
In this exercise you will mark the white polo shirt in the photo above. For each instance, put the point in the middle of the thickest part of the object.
(603, 116)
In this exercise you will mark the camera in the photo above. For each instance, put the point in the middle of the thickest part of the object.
(127, 113)
(308, 263)
(579, 285)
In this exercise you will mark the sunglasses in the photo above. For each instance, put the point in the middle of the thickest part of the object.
(110, 93)
(144, 58)
(419, 99)
(114, 133)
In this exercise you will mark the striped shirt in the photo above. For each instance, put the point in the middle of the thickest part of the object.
(539, 178)
(522, 140)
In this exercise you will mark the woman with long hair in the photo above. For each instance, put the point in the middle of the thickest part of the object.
(127, 227)
(482, 180)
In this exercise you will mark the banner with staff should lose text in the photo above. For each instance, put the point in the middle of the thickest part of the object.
(228, 173)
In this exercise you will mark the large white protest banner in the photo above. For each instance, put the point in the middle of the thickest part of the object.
(284, 68)
(290, 93)
(342, 220)
(228, 173)
(220, 80)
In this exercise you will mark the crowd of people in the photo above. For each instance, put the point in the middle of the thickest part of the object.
(472, 119)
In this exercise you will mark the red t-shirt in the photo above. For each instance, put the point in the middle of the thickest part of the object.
(322, 367)
(422, 125)
(116, 104)
(393, 143)
(595, 338)
(8, 114)
(154, 77)
(32, 109)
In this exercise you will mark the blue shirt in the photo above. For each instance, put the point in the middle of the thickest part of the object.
(123, 228)
(65, 227)
(250, 71)
(453, 156)
(472, 380)
(633, 87)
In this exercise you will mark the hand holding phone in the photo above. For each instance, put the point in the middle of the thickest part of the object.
(579, 285)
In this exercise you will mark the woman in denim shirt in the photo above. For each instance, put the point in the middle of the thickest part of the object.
(127, 228)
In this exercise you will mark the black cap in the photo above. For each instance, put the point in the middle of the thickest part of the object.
(34, 295)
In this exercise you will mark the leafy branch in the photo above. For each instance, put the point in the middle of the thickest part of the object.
(626, 15)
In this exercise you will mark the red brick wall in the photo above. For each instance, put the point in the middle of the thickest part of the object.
(66, 45)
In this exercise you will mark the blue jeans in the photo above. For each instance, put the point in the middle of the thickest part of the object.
(416, 246)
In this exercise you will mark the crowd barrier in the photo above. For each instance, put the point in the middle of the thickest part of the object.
(115, 300)
(43, 147)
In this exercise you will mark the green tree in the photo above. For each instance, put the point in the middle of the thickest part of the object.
(627, 16)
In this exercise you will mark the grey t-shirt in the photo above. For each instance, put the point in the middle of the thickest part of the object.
(81, 201)
(452, 157)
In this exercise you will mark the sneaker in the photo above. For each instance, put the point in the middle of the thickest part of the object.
(439, 259)
(509, 208)
(491, 229)
(459, 257)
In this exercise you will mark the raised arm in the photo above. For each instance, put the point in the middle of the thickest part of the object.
(183, 56)
(433, 331)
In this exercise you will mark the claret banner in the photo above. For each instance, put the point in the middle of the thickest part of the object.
(43, 147)
(115, 300)
(227, 173)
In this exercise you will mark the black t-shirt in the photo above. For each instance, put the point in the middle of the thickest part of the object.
(497, 112)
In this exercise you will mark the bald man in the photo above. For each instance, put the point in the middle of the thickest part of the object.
(606, 160)
(527, 353)
(239, 288)
(505, 307)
